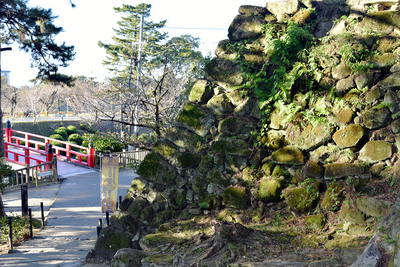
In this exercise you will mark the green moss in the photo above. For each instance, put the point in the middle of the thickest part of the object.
(316, 221)
(191, 116)
(304, 198)
(229, 216)
(154, 168)
(206, 164)
(236, 197)
(187, 160)
(216, 177)
(333, 196)
(269, 189)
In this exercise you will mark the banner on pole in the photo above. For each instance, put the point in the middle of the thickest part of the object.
(109, 183)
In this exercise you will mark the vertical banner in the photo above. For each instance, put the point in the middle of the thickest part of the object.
(109, 183)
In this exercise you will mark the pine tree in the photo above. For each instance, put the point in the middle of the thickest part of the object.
(122, 55)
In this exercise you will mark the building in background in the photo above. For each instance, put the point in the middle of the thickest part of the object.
(6, 73)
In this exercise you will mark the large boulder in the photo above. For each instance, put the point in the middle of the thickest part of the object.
(155, 168)
(128, 257)
(236, 197)
(244, 27)
(289, 155)
(375, 151)
(201, 91)
(195, 119)
(375, 118)
(349, 136)
(269, 189)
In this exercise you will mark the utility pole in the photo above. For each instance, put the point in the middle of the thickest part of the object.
(136, 117)
(1, 112)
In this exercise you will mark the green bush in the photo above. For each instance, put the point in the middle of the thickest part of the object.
(71, 129)
(61, 131)
(5, 171)
(102, 142)
(75, 139)
(58, 137)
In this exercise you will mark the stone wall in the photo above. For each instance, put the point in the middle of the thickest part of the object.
(341, 133)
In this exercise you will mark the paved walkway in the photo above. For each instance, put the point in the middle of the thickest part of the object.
(72, 214)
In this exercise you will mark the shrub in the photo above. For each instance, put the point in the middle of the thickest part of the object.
(102, 143)
(71, 129)
(62, 131)
(75, 139)
(58, 137)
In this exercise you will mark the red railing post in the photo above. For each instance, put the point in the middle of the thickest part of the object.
(8, 132)
(27, 157)
(90, 156)
(68, 152)
(50, 154)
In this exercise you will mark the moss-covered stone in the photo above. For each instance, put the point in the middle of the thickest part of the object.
(333, 196)
(250, 176)
(136, 207)
(220, 104)
(163, 217)
(188, 160)
(344, 85)
(381, 23)
(234, 126)
(155, 168)
(316, 222)
(309, 137)
(176, 197)
(274, 139)
(232, 146)
(376, 117)
(209, 202)
(244, 27)
(217, 178)
(110, 241)
(351, 215)
(125, 222)
(229, 215)
(236, 197)
(312, 170)
(166, 149)
(150, 242)
(373, 206)
(126, 201)
(222, 70)
(201, 91)
(375, 151)
(128, 257)
(341, 71)
(349, 136)
(340, 170)
(184, 139)
(289, 155)
(147, 215)
(269, 189)
(302, 199)
(195, 119)
(138, 185)
(206, 164)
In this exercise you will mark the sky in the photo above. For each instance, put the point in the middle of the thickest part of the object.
(93, 20)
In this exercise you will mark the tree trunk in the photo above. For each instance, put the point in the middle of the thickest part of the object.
(2, 211)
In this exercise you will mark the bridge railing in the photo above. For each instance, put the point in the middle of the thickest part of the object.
(127, 159)
(15, 141)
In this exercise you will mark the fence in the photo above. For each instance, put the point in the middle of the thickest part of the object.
(127, 159)
(17, 142)
(27, 175)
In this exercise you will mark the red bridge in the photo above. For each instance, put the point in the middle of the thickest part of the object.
(28, 149)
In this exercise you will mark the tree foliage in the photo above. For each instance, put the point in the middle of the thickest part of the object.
(33, 29)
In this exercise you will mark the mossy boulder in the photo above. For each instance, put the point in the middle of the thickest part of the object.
(126, 202)
(125, 222)
(303, 199)
(280, 8)
(208, 201)
(136, 207)
(274, 139)
(392, 82)
(374, 94)
(381, 23)
(234, 126)
(155, 168)
(201, 91)
(147, 215)
(375, 118)
(341, 71)
(128, 257)
(163, 217)
(236, 197)
(373, 207)
(232, 146)
(316, 222)
(269, 189)
(176, 197)
(222, 70)
(184, 139)
(375, 151)
(349, 136)
(195, 119)
(340, 170)
(220, 104)
(206, 164)
(188, 160)
(110, 241)
(153, 241)
(308, 137)
(215, 177)
(166, 149)
(351, 215)
(344, 85)
(289, 155)
(333, 196)
(244, 27)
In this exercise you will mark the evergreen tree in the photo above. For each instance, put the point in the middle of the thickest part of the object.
(122, 56)
(33, 29)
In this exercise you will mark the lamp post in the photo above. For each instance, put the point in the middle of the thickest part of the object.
(1, 111)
